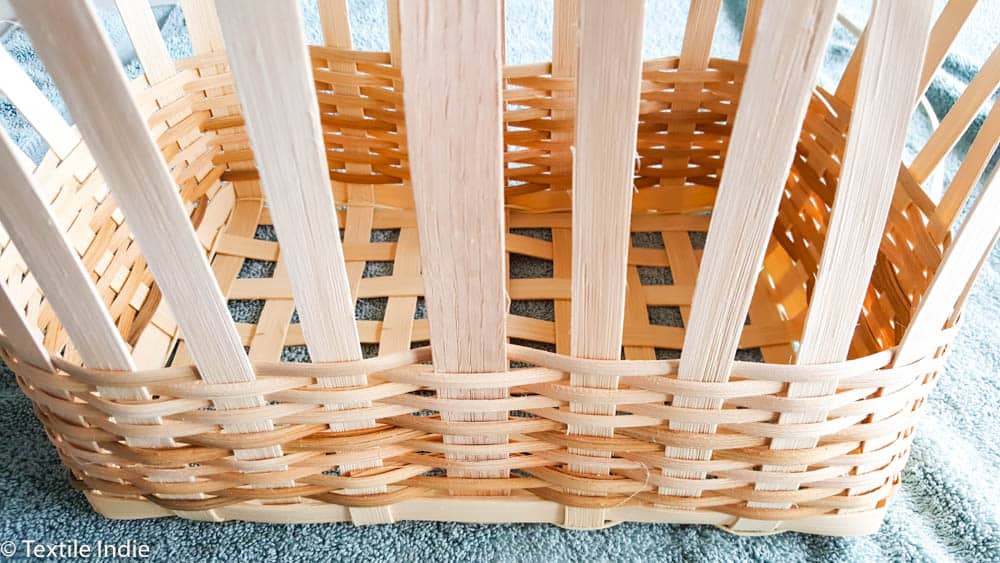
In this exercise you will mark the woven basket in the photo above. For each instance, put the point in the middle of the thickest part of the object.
(792, 236)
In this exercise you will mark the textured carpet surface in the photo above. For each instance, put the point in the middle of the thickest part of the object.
(948, 508)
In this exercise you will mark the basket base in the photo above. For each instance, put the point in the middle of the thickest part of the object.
(516, 509)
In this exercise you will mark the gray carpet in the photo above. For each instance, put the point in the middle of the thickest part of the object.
(947, 509)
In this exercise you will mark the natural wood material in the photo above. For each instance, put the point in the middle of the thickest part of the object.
(608, 106)
(288, 147)
(140, 23)
(699, 31)
(50, 255)
(489, 511)
(272, 73)
(957, 120)
(334, 22)
(23, 338)
(22, 93)
(973, 241)
(451, 64)
(565, 23)
(459, 206)
(890, 71)
(479, 216)
(203, 25)
(750, 23)
(971, 170)
(61, 275)
(115, 132)
(779, 79)
(610, 65)
(946, 28)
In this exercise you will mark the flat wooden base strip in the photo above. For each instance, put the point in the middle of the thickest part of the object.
(488, 510)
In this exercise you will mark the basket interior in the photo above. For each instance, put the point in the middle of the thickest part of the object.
(684, 126)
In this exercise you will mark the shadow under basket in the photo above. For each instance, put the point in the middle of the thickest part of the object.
(389, 437)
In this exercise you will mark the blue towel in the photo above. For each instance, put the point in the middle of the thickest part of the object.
(948, 507)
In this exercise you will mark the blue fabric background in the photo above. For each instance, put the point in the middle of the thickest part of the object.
(948, 508)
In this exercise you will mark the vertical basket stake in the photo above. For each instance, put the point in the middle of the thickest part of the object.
(67, 286)
(22, 93)
(23, 339)
(275, 86)
(956, 122)
(116, 134)
(140, 23)
(607, 109)
(890, 71)
(775, 96)
(451, 69)
(973, 241)
(564, 63)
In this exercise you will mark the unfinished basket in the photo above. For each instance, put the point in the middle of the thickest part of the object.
(824, 259)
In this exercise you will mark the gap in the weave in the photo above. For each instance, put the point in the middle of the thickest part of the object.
(520, 267)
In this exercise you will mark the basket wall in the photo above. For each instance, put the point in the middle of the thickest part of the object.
(397, 437)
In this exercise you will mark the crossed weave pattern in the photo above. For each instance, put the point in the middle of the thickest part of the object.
(409, 437)
(382, 443)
